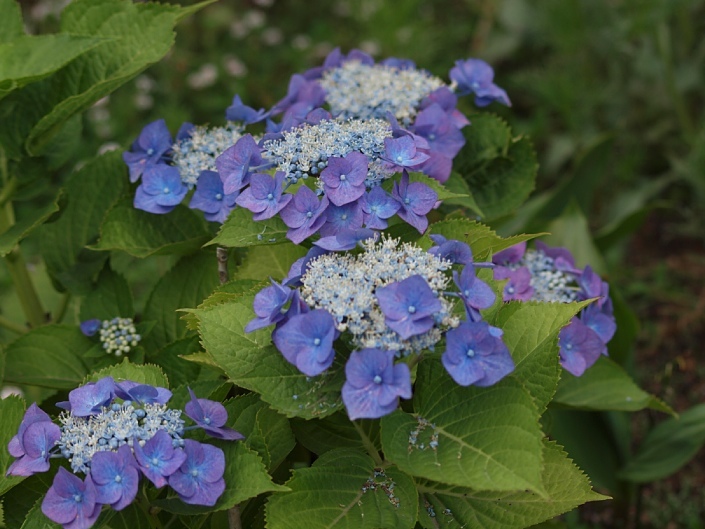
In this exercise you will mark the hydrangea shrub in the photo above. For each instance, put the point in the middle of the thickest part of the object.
(337, 343)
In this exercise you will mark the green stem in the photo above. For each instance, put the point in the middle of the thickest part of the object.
(60, 311)
(12, 326)
(31, 306)
(368, 444)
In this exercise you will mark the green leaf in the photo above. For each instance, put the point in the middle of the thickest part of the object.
(37, 520)
(252, 362)
(90, 192)
(565, 484)
(140, 35)
(500, 170)
(110, 299)
(25, 495)
(245, 477)
(666, 448)
(443, 192)
(49, 357)
(24, 227)
(29, 58)
(263, 262)
(487, 438)
(240, 231)
(176, 368)
(457, 184)
(185, 285)
(571, 231)
(11, 24)
(142, 373)
(605, 386)
(329, 433)
(342, 490)
(266, 432)
(142, 234)
(531, 334)
(12, 410)
(226, 292)
(482, 240)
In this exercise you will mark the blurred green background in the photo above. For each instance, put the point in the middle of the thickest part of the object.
(612, 93)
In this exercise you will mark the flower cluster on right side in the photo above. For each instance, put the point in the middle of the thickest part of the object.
(549, 274)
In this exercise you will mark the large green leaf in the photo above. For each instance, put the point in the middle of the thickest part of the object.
(669, 446)
(263, 262)
(223, 293)
(605, 386)
(140, 35)
(185, 285)
(142, 234)
(110, 299)
(531, 334)
(24, 227)
(142, 373)
(485, 438)
(483, 240)
(176, 368)
(12, 410)
(11, 25)
(30, 58)
(343, 490)
(90, 192)
(245, 477)
(240, 231)
(453, 507)
(500, 170)
(329, 433)
(48, 356)
(265, 431)
(252, 362)
(36, 519)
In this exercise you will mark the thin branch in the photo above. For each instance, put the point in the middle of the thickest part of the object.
(222, 256)
(12, 326)
(234, 521)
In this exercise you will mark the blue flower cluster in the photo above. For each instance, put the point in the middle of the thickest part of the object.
(549, 274)
(353, 86)
(115, 434)
(349, 151)
(118, 335)
(389, 302)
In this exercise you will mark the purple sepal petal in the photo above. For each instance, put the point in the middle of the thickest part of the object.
(234, 163)
(35, 443)
(90, 327)
(401, 153)
(115, 476)
(475, 293)
(264, 197)
(142, 393)
(158, 459)
(377, 207)
(91, 398)
(149, 149)
(562, 257)
(519, 285)
(602, 324)
(240, 112)
(456, 252)
(211, 416)
(580, 347)
(474, 76)
(304, 215)
(415, 201)
(199, 480)
(306, 341)
(408, 306)
(71, 502)
(475, 355)
(511, 255)
(374, 384)
(344, 178)
(210, 197)
(345, 239)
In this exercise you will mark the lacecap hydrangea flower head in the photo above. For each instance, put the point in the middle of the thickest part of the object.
(116, 434)
(390, 302)
(549, 274)
(343, 154)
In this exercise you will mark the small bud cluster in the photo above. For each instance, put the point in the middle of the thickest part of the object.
(304, 150)
(118, 336)
(549, 283)
(371, 91)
